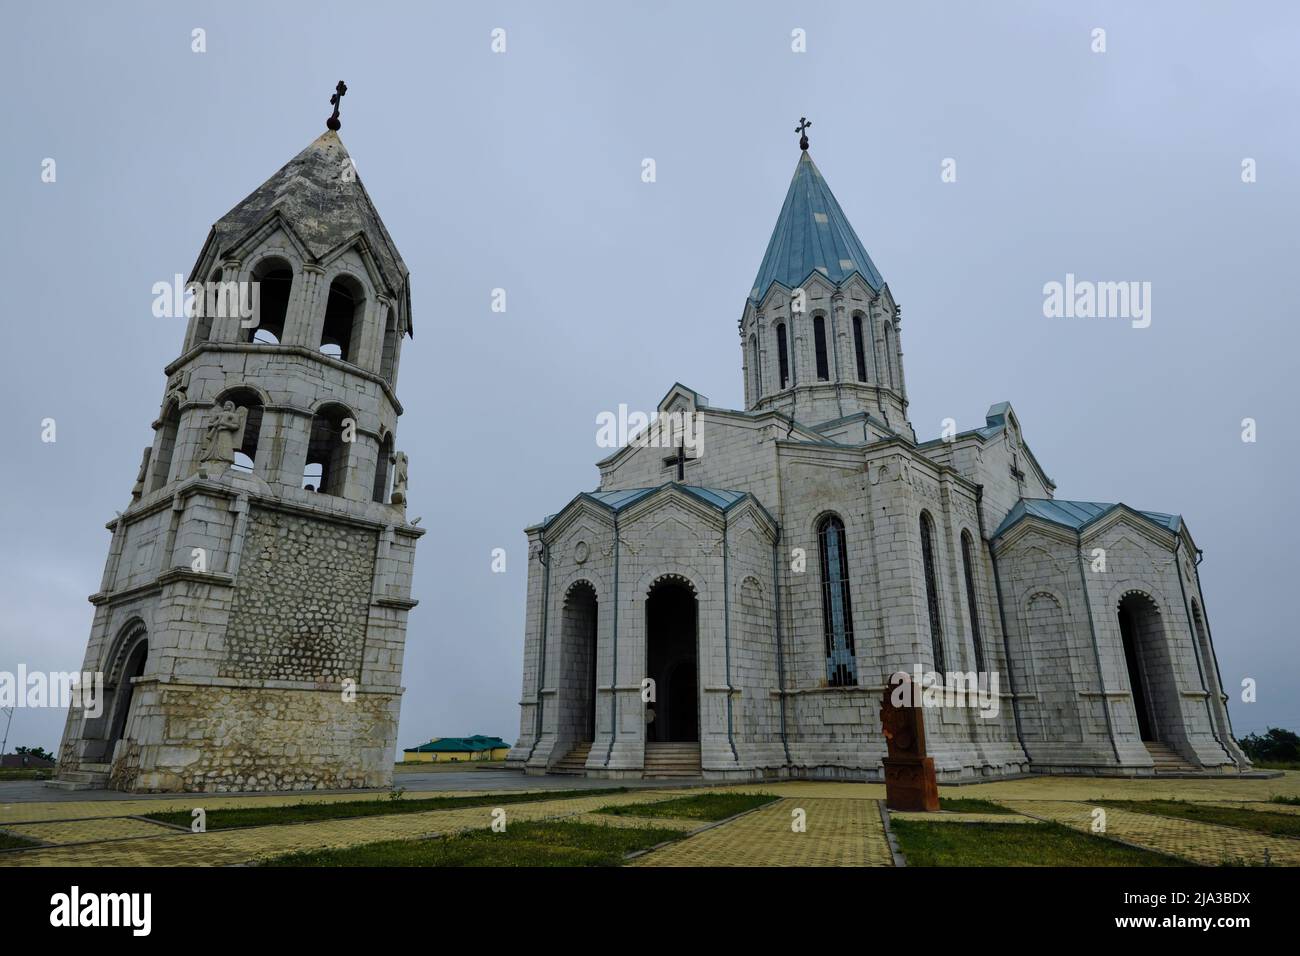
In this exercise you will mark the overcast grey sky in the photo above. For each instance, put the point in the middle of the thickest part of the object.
(522, 171)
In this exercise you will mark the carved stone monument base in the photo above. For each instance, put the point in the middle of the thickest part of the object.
(910, 784)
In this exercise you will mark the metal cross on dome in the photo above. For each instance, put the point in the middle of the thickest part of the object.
(339, 91)
(802, 130)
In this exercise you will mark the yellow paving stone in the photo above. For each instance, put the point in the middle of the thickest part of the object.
(80, 831)
(1203, 843)
(226, 847)
(840, 833)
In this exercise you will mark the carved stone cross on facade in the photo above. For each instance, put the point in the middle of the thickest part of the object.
(679, 459)
(1019, 475)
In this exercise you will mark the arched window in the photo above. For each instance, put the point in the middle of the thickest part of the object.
(274, 281)
(245, 440)
(757, 376)
(819, 339)
(388, 361)
(932, 591)
(326, 467)
(341, 333)
(968, 565)
(859, 348)
(162, 461)
(837, 612)
(380, 491)
(783, 355)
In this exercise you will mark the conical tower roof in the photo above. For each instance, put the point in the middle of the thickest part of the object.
(320, 196)
(812, 234)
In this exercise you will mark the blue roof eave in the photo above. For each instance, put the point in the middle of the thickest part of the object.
(1088, 514)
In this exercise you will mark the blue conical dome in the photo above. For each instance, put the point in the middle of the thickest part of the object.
(812, 234)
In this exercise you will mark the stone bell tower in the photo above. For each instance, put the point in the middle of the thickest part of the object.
(252, 615)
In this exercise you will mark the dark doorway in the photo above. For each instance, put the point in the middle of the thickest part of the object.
(133, 668)
(578, 709)
(671, 662)
(1132, 622)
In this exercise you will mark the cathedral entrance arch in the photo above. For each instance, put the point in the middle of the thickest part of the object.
(672, 661)
(1147, 660)
(578, 648)
(136, 658)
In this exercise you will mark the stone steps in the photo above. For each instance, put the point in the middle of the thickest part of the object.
(1168, 760)
(574, 763)
(673, 759)
(89, 776)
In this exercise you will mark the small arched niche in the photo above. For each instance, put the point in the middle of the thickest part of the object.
(247, 440)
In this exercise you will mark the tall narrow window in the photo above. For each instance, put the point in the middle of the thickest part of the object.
(274, 281)
(388, 360)
(932, 591)
(837, 612)
(213, 298)
(757, 376)
(380, 490)
(889, 356)
(819, 338)
(783, 355)
(162, 461)
(859, 349)
(325, 470)
(341, 331)
(968, 565)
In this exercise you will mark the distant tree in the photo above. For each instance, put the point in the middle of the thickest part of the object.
(38, 752)
(1275, 744)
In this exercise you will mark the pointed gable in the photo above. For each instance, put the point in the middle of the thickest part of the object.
(320, 197)
(812, 235)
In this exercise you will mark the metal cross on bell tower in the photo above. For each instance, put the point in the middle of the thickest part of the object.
(802, 130)
(333, 122)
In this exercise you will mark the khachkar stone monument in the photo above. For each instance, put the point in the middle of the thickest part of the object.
(252, 616)
(909, 774)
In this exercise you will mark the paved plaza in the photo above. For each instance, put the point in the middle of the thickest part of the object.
(843, 822)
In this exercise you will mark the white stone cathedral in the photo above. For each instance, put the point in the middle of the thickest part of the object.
(251, 621)
(733, 605)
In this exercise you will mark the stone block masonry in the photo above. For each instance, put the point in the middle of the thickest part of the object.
(309, 624)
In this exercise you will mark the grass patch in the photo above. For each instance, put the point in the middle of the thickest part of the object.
(1014, 844)
(1260, 821)
(701, 806)
(12, 841)
(971, 805)
(1290, 801)
(226, 819)
(26, 773)
(522, 844)
(1276, 764)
